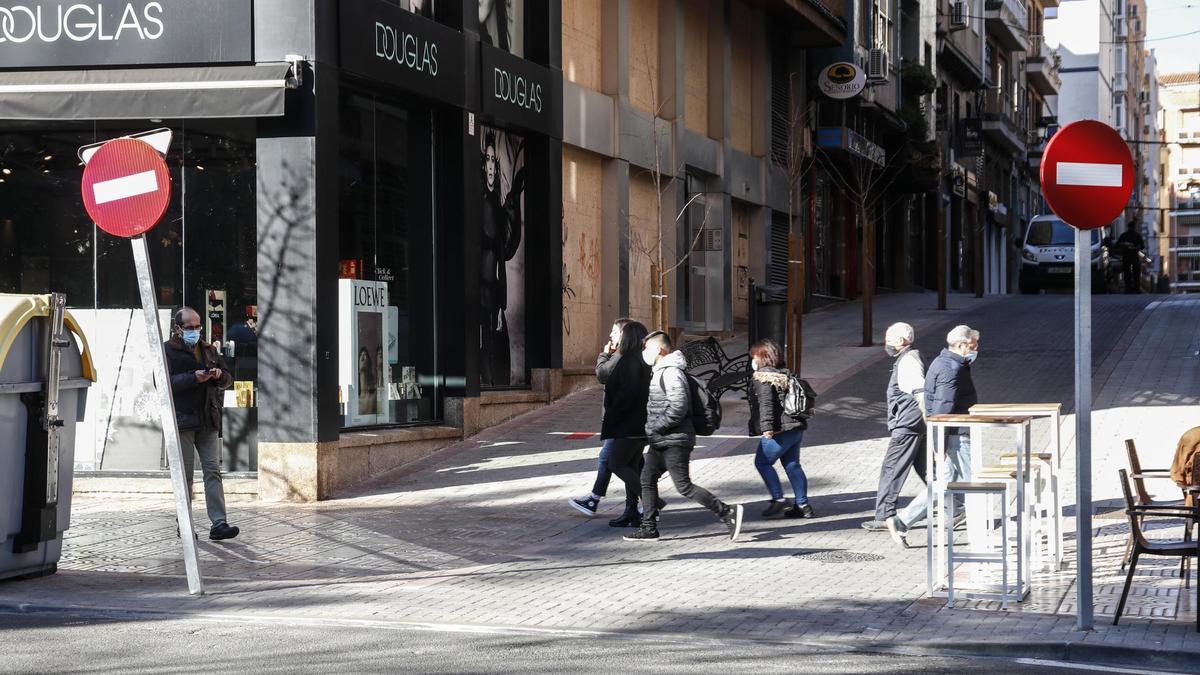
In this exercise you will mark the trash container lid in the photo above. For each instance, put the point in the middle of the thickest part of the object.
(17, 310)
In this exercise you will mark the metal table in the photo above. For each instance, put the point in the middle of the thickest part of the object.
(977, 529)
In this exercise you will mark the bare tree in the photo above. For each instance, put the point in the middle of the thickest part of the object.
(797, 164)
(866, 182)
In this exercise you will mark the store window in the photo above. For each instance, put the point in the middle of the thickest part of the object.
(389, 363)
(202, 254)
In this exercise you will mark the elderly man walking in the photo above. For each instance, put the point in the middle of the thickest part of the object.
(948, 390)
(905, 420)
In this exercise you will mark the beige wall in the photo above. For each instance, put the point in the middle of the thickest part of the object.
(643, 55)
(581, 42)
(695, 58)
(741, 30)
(642, 233)
(583, 182)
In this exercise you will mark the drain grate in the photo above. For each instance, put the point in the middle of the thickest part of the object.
(840, 557)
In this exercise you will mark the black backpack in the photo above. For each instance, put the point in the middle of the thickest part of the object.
(800, 399)
(705, 408)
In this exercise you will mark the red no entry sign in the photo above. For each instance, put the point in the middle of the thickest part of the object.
(126, 187)
(1087, 174)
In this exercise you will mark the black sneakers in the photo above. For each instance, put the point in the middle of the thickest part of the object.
(775, 508)
(732, 517)
(222, 531)
(585, 505)
(643, 534)
(627, 519)
(799, 511)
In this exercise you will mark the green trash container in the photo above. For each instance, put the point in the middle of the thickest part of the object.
(35, 481)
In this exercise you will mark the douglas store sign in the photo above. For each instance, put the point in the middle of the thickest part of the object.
(518, 91)
(384, 42)
(59, 33)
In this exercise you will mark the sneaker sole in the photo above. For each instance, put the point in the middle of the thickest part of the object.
(896, 536)
(739, 513)
(639, 539)
(580, 509)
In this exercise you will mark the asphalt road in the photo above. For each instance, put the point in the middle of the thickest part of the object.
(62, 643)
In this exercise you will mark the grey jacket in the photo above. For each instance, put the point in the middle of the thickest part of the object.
(668, 411)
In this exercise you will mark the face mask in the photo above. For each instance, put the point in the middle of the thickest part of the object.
(971, 356)
(754, 365)
(649, 356)
(190, 337)
(891, 351)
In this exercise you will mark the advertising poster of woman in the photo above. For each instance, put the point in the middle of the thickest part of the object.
(502, 260)
(501, 24)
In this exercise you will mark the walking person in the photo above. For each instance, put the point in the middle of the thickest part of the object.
(672, 437)
(905, 420)
(199, 378)
(779, 434)
(626, 380)
(949, 389)
(1131, 246)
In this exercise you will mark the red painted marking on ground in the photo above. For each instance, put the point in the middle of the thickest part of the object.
(580, 435)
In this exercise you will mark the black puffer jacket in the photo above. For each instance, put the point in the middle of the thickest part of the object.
(626, 381)
(198, 405)
(669, 408)
(766, 392)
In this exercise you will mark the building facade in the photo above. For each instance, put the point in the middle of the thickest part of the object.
(367, 212)
(1180, 96)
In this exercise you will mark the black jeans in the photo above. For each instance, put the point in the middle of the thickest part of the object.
(624, 458)
(905, 451)
(675, 460)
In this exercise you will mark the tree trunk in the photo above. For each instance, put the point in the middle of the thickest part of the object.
(942, 272)
(868, 277)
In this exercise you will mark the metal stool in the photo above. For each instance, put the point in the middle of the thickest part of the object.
(1000, 557)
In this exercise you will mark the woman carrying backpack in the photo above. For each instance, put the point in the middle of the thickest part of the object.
(626, 381)
(779, 434)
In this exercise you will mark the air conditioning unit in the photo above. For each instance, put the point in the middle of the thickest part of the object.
(958, 15)
(877, 65)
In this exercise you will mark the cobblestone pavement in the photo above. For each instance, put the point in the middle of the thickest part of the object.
(481, 535)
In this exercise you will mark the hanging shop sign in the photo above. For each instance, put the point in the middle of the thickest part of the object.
(959, 181)
(381, 41)
(842, 80)
(61, 33)
(971, 137)
(519, 92)
(852, 142)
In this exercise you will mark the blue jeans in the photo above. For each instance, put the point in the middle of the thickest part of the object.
(956, 466)
(783, 448)
(603, 473)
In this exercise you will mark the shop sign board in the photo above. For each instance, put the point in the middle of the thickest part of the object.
(381, 41)
(972, 137)
(66, 34)
(851, 141)
(842, 80)
(519, 92)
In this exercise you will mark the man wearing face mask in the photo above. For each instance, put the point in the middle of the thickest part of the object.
(198, 379)
(948, 390)
(906, 422)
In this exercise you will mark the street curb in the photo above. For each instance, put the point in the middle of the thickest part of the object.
(1068, 652)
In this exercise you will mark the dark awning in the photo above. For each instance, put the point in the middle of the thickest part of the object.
(147, 93)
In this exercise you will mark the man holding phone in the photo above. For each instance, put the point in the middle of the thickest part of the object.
(199, 377)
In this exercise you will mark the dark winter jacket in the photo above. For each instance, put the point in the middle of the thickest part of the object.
(767, 388)
(198, 405)
(668, 410)
(948, 385)
(626, 381)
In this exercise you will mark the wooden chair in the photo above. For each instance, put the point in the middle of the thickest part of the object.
(1139, 476)
(1142, 546)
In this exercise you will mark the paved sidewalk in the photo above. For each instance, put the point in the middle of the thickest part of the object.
(481, 535)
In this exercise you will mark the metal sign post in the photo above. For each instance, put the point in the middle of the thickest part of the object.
(166, 402)
(126, 188)
(1087, 178)
(1083, 429)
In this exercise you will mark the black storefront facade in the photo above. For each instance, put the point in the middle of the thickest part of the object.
(372, 188)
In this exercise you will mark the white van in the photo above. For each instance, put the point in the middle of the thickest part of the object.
(1048, 256)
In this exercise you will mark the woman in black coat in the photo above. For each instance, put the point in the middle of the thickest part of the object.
(779, 434)
(626, 380)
